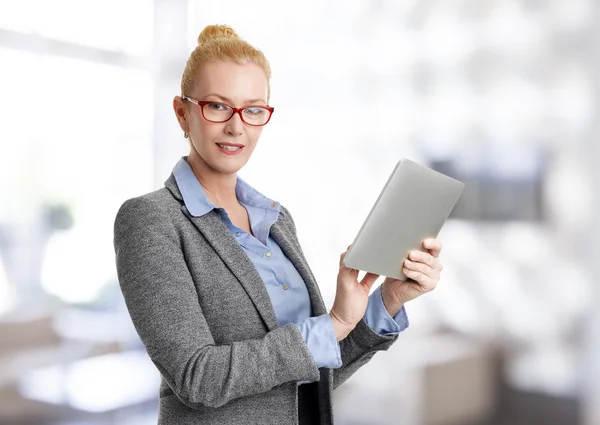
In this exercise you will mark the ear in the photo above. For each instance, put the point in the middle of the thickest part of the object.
(181, 113)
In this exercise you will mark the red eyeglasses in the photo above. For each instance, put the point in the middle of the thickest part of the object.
(220, 112)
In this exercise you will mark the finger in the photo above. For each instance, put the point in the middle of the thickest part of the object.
(425, 282)
(342, 266)
(433, 246)
(421, 268)
(342, 259)
(422, 257)
(437, 264)
(432, 271)
(369, 279)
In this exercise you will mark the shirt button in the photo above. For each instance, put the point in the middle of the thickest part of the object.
(266, 224)
(268, 254)
(285, 287)
(273, 205)
(238, 234)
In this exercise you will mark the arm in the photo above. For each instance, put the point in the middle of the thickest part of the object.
(355, 350)
(424, 268)
(378, 318)
(163, 304)
(359, 346)
(366, 339)
(319, 335)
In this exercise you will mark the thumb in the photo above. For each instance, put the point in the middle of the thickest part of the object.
(368, 280)
(344, 255)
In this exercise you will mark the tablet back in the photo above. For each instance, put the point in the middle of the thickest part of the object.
(413, 206)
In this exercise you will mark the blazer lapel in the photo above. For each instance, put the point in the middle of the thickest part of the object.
(234, 256)
(294, 253)
(226, 247)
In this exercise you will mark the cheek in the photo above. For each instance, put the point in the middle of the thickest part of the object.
(253, 134)
(206, 132)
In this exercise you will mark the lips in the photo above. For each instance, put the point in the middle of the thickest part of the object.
(230, 149)
(231, 144)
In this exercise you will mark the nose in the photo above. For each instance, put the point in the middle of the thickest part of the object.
(234, 126)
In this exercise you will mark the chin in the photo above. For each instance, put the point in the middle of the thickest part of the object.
(228, 167)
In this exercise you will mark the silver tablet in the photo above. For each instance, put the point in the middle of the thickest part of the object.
(413, 206)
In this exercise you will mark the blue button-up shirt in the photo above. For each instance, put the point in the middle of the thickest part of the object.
(284, 284)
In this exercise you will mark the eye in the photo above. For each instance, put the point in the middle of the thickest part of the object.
(255, 110)
(216, 106)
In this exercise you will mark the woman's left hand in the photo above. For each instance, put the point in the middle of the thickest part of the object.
(423, 267)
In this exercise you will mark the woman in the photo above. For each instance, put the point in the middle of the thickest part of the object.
(216, 282)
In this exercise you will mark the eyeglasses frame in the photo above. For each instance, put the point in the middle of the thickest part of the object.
(239, 111)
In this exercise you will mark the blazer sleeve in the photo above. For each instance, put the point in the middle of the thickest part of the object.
(163, 304)
(359, 346)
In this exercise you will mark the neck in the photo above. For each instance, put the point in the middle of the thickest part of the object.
(219, 187)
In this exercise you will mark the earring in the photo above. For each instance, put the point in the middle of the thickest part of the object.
(185, 135)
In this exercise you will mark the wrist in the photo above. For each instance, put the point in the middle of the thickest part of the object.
(393, 307)
(340, 328)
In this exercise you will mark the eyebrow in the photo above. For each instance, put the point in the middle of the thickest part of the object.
(226, 99)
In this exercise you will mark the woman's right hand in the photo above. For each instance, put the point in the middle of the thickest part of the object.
(351, 299)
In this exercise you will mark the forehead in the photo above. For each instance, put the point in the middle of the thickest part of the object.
(228, 79)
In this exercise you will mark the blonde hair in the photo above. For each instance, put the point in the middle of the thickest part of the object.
(221, 43)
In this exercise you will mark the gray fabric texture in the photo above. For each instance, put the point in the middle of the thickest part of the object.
(205, 318)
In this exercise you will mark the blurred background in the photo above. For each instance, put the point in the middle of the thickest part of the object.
(501, 94)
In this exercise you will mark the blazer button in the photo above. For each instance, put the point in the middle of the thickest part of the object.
(285, 287)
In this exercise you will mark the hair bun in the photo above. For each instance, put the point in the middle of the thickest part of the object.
(216, 31)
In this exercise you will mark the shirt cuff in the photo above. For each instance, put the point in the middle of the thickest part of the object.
(319, 336)
(378, 318)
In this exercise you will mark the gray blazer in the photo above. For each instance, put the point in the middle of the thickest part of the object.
(207, 322)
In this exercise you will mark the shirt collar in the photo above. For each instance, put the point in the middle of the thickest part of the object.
(198, 204)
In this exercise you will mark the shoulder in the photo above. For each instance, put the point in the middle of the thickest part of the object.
(151, 209)
(286, 217)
